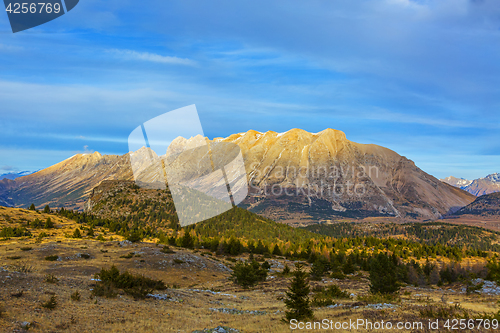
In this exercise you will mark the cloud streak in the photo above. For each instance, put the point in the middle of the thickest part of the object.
(152, 57)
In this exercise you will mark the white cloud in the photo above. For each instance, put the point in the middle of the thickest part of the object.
(152, 57)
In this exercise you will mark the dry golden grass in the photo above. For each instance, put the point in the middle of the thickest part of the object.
(189, 306)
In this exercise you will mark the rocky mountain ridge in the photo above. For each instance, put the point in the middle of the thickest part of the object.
(477, 187)
(295, 175)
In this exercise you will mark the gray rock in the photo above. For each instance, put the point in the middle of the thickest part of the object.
(218, 329)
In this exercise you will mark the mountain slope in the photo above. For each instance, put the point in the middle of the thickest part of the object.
(295, 175)
(69, 182)
(357, 179)
(485, 205)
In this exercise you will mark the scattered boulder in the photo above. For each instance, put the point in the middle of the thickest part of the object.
(218, 329)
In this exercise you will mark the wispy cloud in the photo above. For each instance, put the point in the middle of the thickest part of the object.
(152, 57)
(10, 48)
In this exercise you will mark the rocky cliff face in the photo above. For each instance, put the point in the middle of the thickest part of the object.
(294, 175)
(301, 175)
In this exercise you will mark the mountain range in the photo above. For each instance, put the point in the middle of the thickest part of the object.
(478, 187)
(293, 176)
(14, 175)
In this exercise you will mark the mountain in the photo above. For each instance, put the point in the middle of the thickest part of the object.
(457, 182)
(14, 175)
(293, 176)
(478, 187)
(154, 209)
(485, 205)
(329, 176)
(68, 183)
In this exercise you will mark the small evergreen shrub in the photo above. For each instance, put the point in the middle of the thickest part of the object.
(167, 249)
(77, 233)
(286, 270)
(327, 296)
(51, 303)
(75, 296)
(52, 257)
(50, 278)
(14, 257)
(135, 285)
(48, 223)
(248, 274)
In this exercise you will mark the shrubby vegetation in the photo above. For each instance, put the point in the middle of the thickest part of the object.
(248, 274)
(329, 295)
(339, 250)
(8, 232)
(51, 303)
(431, 233)
(109, 281)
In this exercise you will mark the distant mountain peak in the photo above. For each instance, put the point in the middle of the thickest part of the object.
(14, 175)
(494, 177)
(478, 187)
(457, 182)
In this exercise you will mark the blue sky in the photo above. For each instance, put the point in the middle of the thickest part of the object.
(419, 77)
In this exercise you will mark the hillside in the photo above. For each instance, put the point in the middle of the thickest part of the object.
(20, 224)
(36, 269)
(485, 205)
(125, 203)
(430, 233)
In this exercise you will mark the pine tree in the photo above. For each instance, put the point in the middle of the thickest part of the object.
(276, 250)
(187, 240)
(49, 224)
(77, 233)
(36, 223)
(32, 207)
(383, 275)
(286, 270)
(90, 233)
(46, 209)
(297, 297)
(318, 269)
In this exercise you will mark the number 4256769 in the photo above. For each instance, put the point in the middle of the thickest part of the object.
(33, 7)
